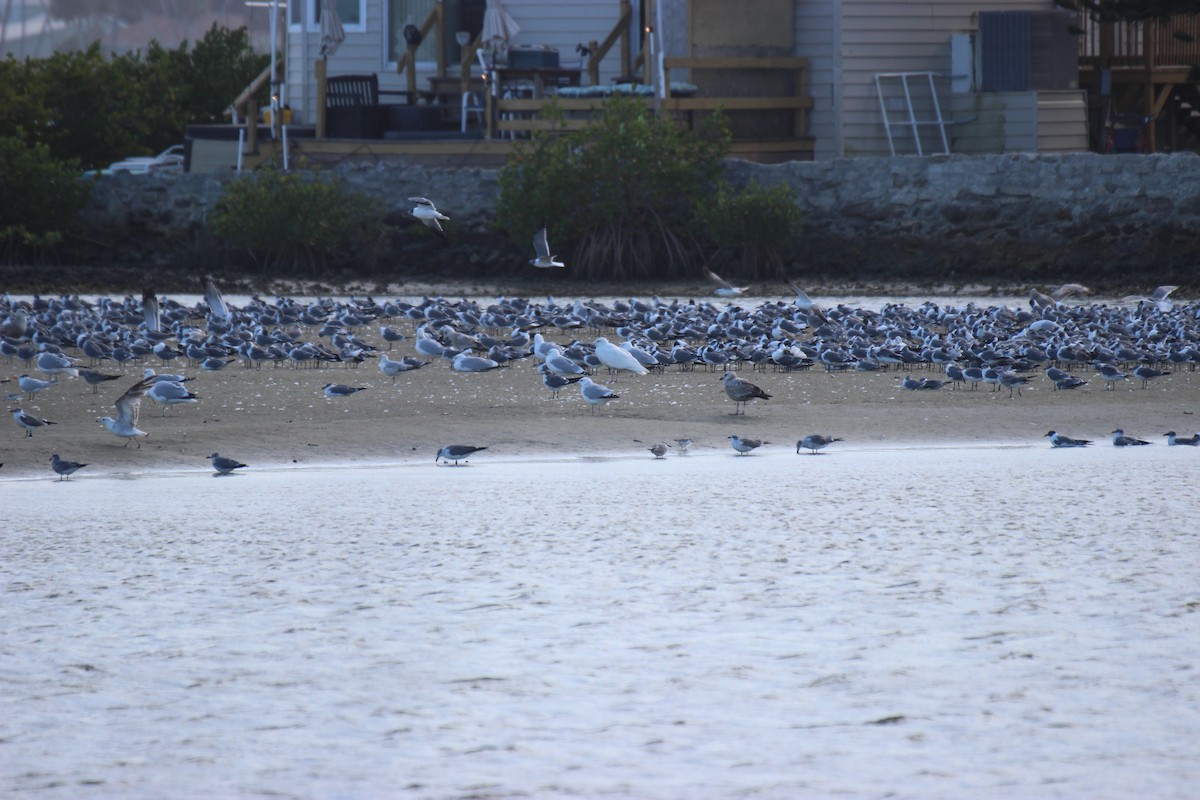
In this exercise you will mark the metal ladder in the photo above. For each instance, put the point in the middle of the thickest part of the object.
(909, 120)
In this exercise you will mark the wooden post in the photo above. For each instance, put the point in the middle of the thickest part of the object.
(593, 63)
(626, 43)
(439, 27)
(411, 74)
(1149, 37)
(322, 89)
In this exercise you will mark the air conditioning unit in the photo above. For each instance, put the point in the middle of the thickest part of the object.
(1025, 50)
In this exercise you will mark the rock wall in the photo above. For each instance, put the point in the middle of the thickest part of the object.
(1103, 218)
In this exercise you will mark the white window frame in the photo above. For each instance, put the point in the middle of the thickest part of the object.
(312, 25)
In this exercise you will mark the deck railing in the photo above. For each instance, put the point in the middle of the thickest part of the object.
(406, 64)
(1145, 44)
(621, 33)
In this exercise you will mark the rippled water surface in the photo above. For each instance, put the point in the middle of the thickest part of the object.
(1004, 622)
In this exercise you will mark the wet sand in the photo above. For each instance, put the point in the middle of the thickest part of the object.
(278, 416)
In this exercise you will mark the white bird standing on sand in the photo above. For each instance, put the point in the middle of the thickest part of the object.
(541, 249)
(596, 394)
(725, 288)
(169, 393)
(53, 363)
(425, 211)
(129, 407)
(64, 467)
(224, 465)
(456, 452)
(615, 358)
(29, 422)
(744, 446)
(31, 386)
(814, 442)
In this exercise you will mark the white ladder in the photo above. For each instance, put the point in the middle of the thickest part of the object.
(908, 117)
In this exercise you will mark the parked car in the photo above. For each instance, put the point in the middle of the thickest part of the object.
(167, 162)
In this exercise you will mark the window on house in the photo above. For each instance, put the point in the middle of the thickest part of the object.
(408, 12)
(351, 12)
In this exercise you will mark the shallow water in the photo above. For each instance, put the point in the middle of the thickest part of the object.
(992, 622)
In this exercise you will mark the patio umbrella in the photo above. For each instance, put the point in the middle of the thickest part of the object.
(332, 32)
(498, 26)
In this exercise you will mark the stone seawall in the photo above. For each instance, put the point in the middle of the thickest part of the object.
(1101, 218)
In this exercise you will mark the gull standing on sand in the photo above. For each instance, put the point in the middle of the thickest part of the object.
(129, 407)
(223, 465)
(1146, 373)
(814, 442)
(29, 422)
(64, 467)
(465, 362)
(169, 393)
(456, 452)
(744, 446)
(1175, 439)
(659, 450)
(615, 358)
(596, 394)
(31, 386)
(1058, 440)
(1119, 439)
(56, 364)
(541, 249)
(335, 390)
(94, 378)
(741, 392)
(425, 211)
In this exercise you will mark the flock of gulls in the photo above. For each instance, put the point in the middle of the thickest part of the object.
(1060, 342)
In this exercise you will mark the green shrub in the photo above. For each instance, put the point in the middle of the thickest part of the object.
(755, 225)
(40, 201)
(294, 221)
(619, 198)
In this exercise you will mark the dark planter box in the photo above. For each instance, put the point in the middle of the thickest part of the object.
(533, 58)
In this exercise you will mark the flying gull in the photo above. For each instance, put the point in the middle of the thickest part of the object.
(425, 211)
(129, 407)
(541, 248)
(724, 287)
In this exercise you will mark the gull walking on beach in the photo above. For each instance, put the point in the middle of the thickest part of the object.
(1058, 440)
(64, 467)
(814, 442)
(541, 248)
(425, 211)
(129, 407)
(29, 422)
(741, 392)
(744, 446)
(223, 465)
(456, 452)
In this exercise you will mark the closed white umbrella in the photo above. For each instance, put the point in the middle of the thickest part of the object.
(332, 32)
(498, 26)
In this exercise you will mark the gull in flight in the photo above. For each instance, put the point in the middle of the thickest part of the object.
(64, 467)
(1159, 298)
(725, 288)
(806, 304)
(129, 408)
(456, 452)
(216, 303)
(223, 465)
(684, 444)
(1058, 440)
(814, 442)
(29, 422)
(744, 446)
(541, 248)
(425, 211)
(741, 391)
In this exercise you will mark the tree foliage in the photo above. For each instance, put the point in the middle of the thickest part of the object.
(298, 222)
(98, 109)
(636, 195)
(40, 201)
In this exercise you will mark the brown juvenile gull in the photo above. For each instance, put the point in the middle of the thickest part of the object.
(741, 391)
